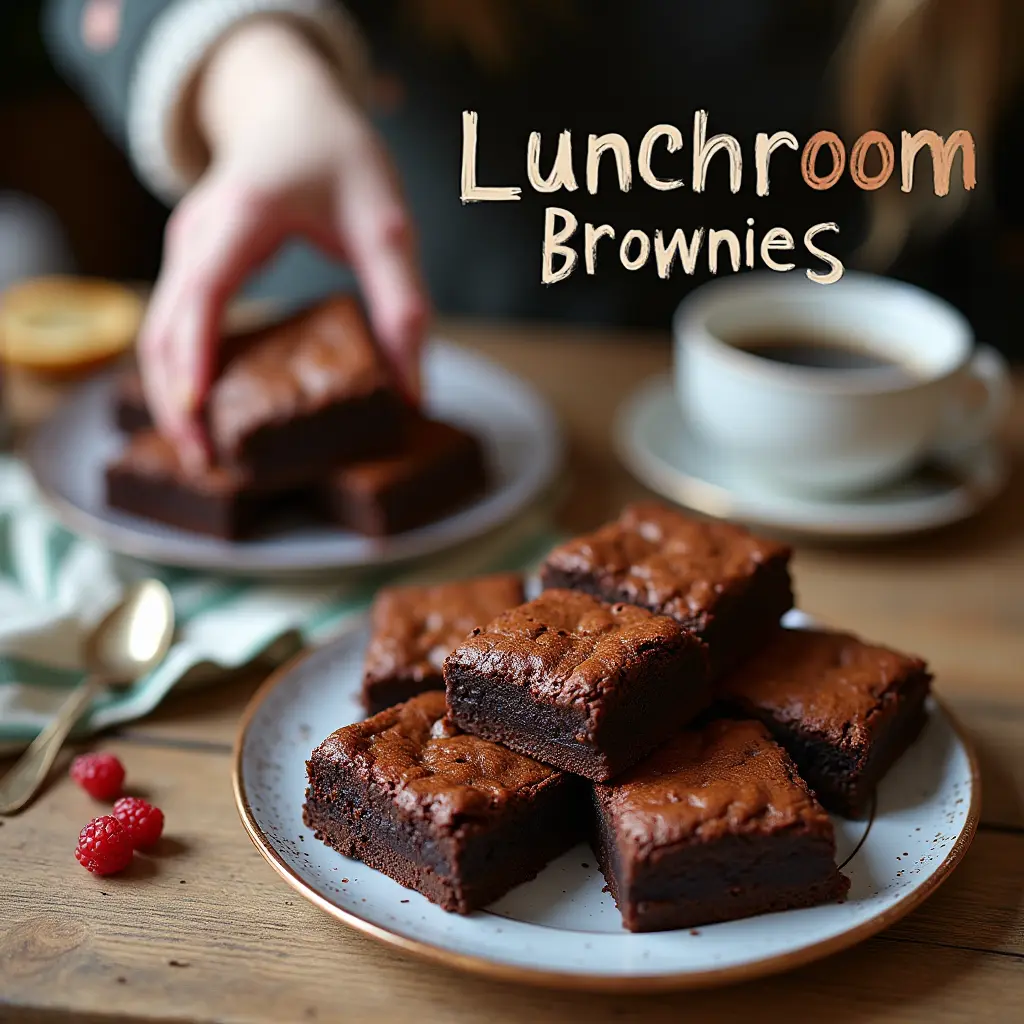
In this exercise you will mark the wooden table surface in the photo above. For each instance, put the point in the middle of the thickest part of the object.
(207, 931)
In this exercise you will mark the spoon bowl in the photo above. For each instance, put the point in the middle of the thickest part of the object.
(134, 636)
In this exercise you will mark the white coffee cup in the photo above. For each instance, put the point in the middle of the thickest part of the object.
(831, 431)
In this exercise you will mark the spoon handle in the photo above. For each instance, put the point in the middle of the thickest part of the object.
(23, 781)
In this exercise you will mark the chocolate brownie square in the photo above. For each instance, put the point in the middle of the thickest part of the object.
(302, 396)
(131, 414)
(452, 816)
(437, 469)
(715, 825)
(844, 709)
(721, 581)
(131, 411)
(414, 628)
(148, 480)
(586, 686)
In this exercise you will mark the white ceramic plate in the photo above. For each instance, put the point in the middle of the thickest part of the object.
(519, 430)
(659, 448)
(562, 929)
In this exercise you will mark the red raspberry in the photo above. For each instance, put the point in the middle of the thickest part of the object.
(104, 846)
(143, 822)
(100, 775)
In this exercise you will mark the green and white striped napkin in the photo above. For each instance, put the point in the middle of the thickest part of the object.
(55, 585)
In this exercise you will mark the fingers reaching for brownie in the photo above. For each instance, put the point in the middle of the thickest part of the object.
(304, 416)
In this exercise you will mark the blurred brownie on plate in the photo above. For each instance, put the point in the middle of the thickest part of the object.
(721, 581)
(586, 686)
(456, 818)
(289, 404)
(844, 709)
(715, 825)
(436, 469)
(131, 414)
(148, 480)
(414, 628)
(302, 396)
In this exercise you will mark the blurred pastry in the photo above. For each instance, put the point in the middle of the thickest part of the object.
(64, 325)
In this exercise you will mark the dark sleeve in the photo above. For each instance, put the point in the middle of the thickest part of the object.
(102, 78)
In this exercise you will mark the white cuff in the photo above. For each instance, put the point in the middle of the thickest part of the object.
(177, 44)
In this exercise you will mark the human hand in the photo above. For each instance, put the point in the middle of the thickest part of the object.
(291, 154)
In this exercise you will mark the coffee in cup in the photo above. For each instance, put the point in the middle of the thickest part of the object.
(832, 389)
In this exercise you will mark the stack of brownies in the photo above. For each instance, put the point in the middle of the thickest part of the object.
(648, 699)
(301, 417)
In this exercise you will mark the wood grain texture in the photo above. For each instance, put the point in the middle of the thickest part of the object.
(205, 930)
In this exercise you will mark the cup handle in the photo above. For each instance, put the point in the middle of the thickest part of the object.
(969, 426)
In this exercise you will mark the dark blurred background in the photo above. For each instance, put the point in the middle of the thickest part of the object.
(54, 150)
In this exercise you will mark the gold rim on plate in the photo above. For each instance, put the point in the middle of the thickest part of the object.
(584, 982)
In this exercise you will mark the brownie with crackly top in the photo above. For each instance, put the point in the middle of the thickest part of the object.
(715, 825)
(844, 709)
(456, 818)
(715, 578)
(414, 628)
(586, 686)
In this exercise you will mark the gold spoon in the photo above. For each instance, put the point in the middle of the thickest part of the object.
(131, 639)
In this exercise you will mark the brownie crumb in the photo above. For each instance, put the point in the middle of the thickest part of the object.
(178, 963)
(122, 981)
(403, 901)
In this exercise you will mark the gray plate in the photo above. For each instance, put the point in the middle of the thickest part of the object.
(562, 928)
(518, 429)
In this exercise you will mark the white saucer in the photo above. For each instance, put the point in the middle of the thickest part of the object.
(562, 929)
(656, 444)
(517, 427)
